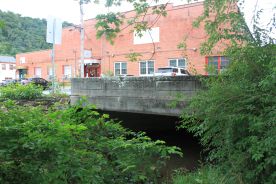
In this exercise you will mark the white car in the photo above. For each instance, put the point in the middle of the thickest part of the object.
(171, 71)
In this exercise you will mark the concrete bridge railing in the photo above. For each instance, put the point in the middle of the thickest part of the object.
(148, 95)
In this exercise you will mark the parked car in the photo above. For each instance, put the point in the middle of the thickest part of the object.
(171, 71)
(37, 81)
(9, 81)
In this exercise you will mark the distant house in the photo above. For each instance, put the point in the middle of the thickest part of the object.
(7, 67)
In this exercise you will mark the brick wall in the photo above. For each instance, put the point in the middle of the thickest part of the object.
(173, 28)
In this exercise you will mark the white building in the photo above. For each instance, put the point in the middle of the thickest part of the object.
(7, 68)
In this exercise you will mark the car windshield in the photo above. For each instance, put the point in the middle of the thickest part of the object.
(164, 70)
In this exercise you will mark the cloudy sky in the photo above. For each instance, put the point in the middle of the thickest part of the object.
(68, 10)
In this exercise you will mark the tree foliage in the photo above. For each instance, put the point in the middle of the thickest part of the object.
(225, 25)
(235, 118)
(111, 24)
(20, 92)
(74, 145)
(22, 34)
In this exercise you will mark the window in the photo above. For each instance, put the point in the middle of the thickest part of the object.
(37, 72)
(146, 67)
(212, 67)
(3, 66)
(120, 68)
(50, 71)
(67, 71)
(22, 60)
(11, 67)
(216, 64)
(224, 63)
(181, 62)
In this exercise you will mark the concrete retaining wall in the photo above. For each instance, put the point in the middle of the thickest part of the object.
(150, 95)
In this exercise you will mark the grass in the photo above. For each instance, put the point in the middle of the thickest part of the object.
(204, 175)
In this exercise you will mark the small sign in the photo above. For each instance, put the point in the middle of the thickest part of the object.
(87, 54)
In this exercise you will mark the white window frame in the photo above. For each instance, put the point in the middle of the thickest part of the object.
(120, 68)
(67, 74)
(22, 60)
(3, 67)
(37, 74)
(50, 72)
(11, 67)
(147, 67)
(177, 62)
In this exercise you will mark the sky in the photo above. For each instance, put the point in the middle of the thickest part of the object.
(68, 10)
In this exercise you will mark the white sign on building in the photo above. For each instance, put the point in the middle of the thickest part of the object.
(148, 36)
(54, 30)
(87, 54)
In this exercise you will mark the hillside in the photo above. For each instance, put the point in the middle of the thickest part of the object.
(22, 34)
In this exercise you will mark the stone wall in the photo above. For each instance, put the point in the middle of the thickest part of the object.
(149, 95)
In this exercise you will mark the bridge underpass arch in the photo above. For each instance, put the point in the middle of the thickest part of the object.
(161, 127)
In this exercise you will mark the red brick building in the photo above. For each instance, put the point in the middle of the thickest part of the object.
(157, 49)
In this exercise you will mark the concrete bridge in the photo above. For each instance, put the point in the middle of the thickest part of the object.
(147, 95)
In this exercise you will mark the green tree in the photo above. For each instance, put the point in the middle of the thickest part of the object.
(235, 117)
(74, 145)
(22, 34)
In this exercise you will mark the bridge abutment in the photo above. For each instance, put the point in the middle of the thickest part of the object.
(147, 95)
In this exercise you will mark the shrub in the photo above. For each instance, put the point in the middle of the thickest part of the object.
(19, 92)
(74, 145)
(236, 117)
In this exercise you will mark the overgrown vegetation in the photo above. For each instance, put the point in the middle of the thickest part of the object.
(74, 145)
(21, 92)
(235, 118)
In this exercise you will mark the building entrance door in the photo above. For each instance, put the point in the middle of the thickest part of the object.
(92, 70)
(22, 73)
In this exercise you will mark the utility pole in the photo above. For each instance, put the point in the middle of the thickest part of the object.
(81, 39)
(53, 36)
(53, 58)
(75, 68)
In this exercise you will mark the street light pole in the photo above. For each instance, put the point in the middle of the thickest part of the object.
(81, 39)
(53, 58)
